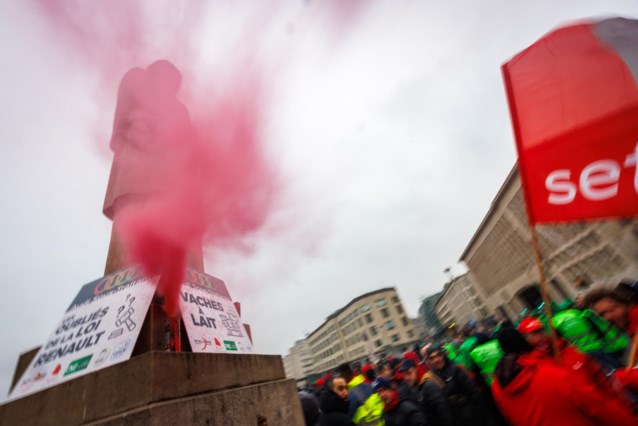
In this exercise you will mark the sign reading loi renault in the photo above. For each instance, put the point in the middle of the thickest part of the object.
(99, 329)
(210, 317)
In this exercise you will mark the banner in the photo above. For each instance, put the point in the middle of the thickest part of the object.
(573, 98)
(99, 329)
(211, 320)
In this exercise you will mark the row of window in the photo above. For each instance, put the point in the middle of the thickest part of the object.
(349, 328)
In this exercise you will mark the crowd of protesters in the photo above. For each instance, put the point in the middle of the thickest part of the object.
(524, 373)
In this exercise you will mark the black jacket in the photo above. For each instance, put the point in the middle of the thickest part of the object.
(405, 413)
(462, 395)
(334, 410)
(434, 405)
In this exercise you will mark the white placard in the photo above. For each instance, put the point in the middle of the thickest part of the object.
(99, 329)
(211, 320)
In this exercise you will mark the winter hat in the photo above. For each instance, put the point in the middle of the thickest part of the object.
(530, 324)
(407, 364)
(381, 383)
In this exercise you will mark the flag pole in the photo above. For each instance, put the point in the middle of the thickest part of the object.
(544, 293)
(632, 354)
(530, 222)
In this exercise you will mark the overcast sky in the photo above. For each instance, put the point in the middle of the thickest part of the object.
(390, 131)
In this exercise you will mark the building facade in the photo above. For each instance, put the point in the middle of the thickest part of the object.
(428, 321)
(372, 323)
(460, 302)
(298, 362)
(575, 255)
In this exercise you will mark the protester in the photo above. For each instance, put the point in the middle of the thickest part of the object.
(397, 411)
(533, 392)
(309, 407)
(366, 406)
(385, 370)
(460, 390)
(616, 306)
(534, 333)
(335, 403)
(426, 391)
(592, 335)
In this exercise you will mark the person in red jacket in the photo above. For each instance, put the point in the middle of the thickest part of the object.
(533, 392)
(533, 330)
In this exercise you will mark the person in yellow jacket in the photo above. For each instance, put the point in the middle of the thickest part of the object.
(366, 406)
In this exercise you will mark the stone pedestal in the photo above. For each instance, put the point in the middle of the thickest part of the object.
(165, 388)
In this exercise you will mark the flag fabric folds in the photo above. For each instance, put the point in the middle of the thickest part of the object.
(573, 98)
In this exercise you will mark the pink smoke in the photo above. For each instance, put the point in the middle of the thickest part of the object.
(212, 181)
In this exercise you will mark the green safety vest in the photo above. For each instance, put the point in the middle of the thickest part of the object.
(589, 332)
(486, 356)
(463, 356)
(450, 350)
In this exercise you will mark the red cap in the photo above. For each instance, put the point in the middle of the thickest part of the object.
(366, 368)
(530, 324)
(319, 383)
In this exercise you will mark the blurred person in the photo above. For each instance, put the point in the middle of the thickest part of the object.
(397, 411)
(425, 390)
(533, 331)
(368, 373)
(616, 307)
(335, 403)
(460, 391)
(366, 406)
(591, 334)
(309, 407)
(539, 392)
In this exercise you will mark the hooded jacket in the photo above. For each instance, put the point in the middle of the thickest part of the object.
(530, 392)
(405, 413)
(334, 410)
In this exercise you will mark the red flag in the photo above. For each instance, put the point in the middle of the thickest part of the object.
(573, 99)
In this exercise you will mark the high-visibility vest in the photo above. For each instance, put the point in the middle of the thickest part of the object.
(589, 332)
(486, 356)
(370, 412)
(463, 357)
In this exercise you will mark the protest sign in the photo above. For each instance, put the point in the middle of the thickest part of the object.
(210, 317)
(99, 329)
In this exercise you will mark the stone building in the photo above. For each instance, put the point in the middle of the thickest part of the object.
(428, 323)
(371, 323)
(298, 362)
(460, 302)
(575, 255)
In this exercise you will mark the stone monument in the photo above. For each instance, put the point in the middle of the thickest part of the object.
(156, 387)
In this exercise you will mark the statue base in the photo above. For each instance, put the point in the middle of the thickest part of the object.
(167, 388)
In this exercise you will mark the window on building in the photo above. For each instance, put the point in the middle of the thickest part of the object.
(380, 303)
(395, 338)
(364, 308)
(399, 309)
(384, 313)
(389, 325)
(378, 343)
(373, 331)
(368, 318)
(405, 321)
(410, 333)
(395, 299)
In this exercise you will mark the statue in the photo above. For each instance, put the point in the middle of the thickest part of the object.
(151, 133)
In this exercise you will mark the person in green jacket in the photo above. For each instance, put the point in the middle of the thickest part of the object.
(473, 338)
(592, 335)
(485, 357)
